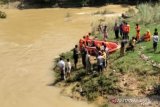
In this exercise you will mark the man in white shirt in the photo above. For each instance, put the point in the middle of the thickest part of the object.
(100, 62)
(68, 68)
(61, 65)
(88, 63)
(155, 41)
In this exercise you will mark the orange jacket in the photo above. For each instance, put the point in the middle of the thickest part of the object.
(138, 35)
(87, 37)
(138, 28)
(147, 36)
(137, 32)
(126, 28)
(82, 42)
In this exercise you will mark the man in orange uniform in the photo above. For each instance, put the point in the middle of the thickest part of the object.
(82, 42)
(88, 36)
(137, 32)
(147, 36)
(126, 30)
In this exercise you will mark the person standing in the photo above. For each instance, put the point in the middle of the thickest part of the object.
(107, 55)
(75, 56)
(126, 30)
(116, 31)
(99, 29)
(155, 41)
(123, 47)
(61, 65)
(100, 62)
(102, 47)
(83, 53)
(137, 32)
(121, 29)
(105, 33)
(88, 62)
(68, 68)
(155, 30)
(104, 58)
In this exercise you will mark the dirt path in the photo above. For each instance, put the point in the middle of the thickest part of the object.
(29, 41)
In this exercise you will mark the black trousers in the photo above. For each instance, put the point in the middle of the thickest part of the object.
(100, 68)
(121, 33)
(116, 34)
(125, 35)
(84, 61)
(155, 45)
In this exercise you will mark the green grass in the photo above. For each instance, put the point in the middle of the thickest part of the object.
(148, 46)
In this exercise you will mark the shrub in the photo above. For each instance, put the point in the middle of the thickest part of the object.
(3, 15)
(148, 13)
(131, 12)
(101, 85)
(3, 1)
(107, 85)
(66, 55)
(105, 105)
(90, 89)
(156, 89)
(103, 12)
(68, 15)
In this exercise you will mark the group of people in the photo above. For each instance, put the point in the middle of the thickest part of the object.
(64, 68)
(101, 53)
(124, 29)
(103, 30)
(87, 60)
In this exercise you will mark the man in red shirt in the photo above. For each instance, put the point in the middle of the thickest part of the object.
(126, 30)
(137, 32)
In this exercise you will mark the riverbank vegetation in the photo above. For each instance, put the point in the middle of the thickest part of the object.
(73, 3)
(2, 15)
(131, 75)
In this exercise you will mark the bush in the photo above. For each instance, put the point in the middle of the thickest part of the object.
(131, 12)
(105, 105)
(3, 1)
(107, 85)
(156, 89)
(148, 13)
(3, 15)
(103, 12)
(78, 76)
(100, 86)
(90, 89)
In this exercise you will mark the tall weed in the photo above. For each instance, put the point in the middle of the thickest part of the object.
(148, 13)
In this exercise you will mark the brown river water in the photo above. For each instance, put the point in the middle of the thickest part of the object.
(29, 42)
